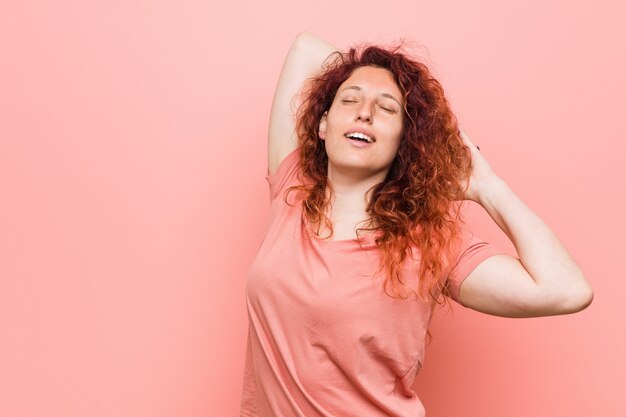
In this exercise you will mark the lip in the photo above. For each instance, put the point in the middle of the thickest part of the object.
(361, 130)
(358, 143)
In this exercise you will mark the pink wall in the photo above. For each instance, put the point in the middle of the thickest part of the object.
(133, 199)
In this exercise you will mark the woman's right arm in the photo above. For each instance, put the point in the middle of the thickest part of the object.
(304, 59)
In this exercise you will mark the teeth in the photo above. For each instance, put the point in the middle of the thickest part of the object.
(360, 136)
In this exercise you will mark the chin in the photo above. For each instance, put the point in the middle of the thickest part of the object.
(347, 161)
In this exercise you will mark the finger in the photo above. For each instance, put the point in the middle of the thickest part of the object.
(467, 139)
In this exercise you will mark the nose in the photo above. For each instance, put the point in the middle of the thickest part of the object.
(364, 112)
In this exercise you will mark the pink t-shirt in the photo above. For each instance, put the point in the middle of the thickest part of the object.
(323, 337)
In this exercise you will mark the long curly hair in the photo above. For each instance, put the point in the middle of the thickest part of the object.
(417, 206)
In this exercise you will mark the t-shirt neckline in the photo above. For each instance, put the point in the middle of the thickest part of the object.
(366, 239)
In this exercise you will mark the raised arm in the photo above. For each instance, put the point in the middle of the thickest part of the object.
(304, 59)
(544, 281)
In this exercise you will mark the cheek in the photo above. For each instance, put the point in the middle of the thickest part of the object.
(394, 148)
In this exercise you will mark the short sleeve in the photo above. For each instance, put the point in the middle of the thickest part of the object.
(473, 251)
(285, 174)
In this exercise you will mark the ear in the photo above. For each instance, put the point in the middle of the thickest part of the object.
(322, 126)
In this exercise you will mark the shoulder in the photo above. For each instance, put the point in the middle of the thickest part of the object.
(286, 174)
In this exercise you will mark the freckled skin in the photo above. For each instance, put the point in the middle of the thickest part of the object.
(352, 169)
(365, 108)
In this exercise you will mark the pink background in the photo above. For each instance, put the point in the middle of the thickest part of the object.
(133, 199)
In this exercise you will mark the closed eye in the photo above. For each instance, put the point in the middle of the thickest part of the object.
(354, 101)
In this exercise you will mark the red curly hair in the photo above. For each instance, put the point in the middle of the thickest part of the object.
(417, 206)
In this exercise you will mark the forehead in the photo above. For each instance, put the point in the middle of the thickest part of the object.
(374, 80)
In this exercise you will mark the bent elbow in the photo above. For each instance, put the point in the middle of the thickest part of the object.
(587, 298)
(578, 300)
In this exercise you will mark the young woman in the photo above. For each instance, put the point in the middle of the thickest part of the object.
(366, 236)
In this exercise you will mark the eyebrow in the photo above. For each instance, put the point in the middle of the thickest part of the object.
(356, 87)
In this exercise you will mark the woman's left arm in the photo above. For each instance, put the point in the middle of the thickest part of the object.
(544, 281)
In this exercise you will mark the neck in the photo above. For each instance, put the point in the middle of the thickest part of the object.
(351, 197)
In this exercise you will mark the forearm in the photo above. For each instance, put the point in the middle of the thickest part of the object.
(540, 251)
(312, 51)
(307, 53)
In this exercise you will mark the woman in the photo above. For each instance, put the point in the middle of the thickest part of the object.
(365, 189)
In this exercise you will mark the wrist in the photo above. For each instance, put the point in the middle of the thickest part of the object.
(489, 188)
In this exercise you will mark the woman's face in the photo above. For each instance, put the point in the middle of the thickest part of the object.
(369, 101)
